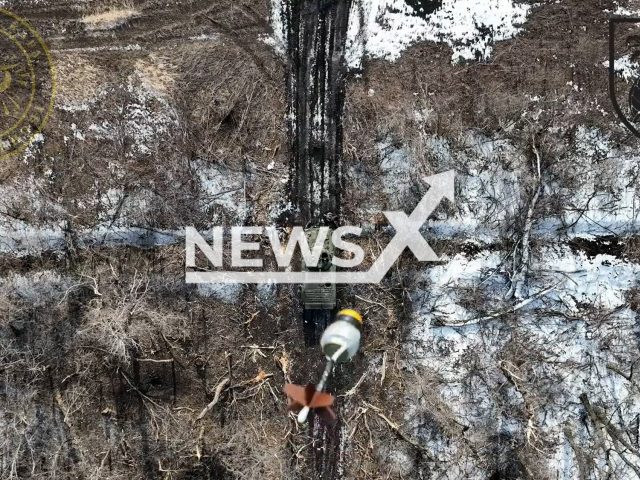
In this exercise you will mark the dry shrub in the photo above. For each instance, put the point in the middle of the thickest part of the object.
(254, 449)
(632, 249)
(123, 318)
(633, 299)
(432, 407)
(230, 107)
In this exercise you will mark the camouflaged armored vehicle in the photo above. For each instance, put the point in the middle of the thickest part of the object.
(319, 296)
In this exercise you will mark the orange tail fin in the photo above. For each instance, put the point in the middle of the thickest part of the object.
(308, 396)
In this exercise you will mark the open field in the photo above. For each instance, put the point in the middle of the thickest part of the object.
(513, 357)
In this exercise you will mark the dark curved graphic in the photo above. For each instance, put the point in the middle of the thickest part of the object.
(634, 101)
(634, 93)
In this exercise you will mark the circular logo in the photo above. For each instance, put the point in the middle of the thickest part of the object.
(27, 84)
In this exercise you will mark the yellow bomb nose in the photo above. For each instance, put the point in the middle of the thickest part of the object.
(352, 314)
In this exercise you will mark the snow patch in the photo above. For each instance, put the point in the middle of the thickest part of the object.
(624, 67)
(222, 187)
(566, 344)
(469, 27)
(227, 292)
(384, 28)
(599, 282)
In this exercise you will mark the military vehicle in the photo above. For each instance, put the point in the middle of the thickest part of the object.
(319, 296)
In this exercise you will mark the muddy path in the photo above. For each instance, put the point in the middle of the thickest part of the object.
(316, 34)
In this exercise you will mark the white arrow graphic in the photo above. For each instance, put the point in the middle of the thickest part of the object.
(407, 235)
(408, 227)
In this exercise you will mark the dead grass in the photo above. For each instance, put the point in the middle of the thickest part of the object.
(109, 19)
(230, 107)
(78, 78)
(157, 73)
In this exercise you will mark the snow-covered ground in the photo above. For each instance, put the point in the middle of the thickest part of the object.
(596, 188)
(469, 27)
(516, 368)
(384, 28)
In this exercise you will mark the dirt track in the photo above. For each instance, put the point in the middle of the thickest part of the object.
(316, 43)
